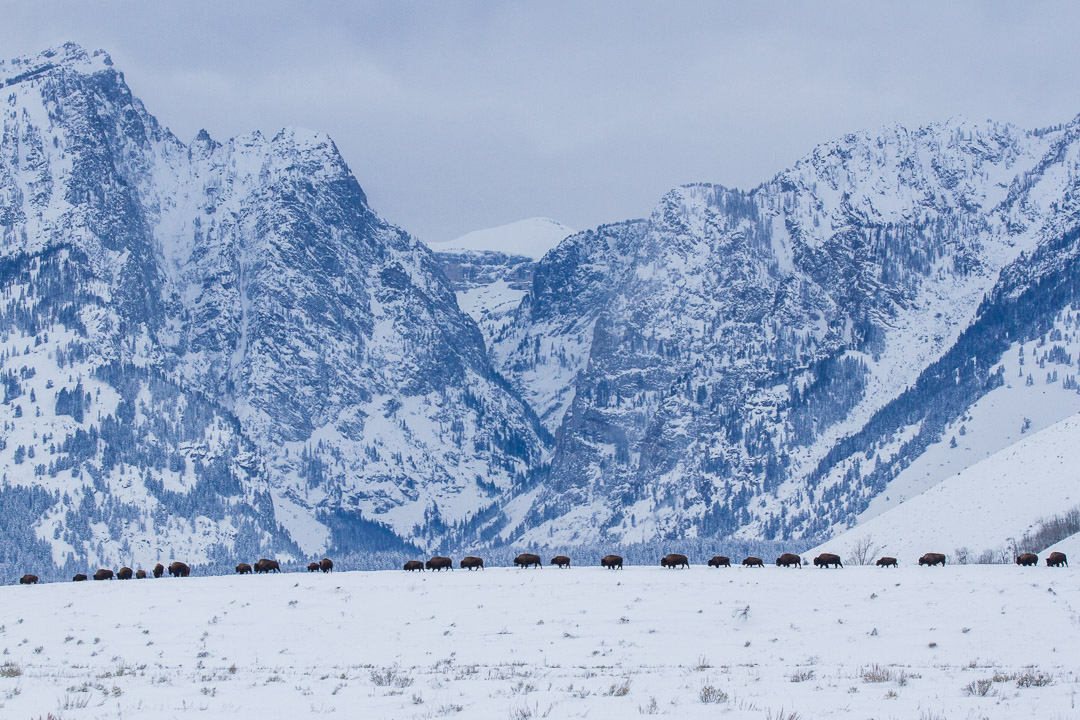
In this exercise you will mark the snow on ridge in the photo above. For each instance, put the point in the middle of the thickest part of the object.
(531, 238)
(981, 507)
(68, 55)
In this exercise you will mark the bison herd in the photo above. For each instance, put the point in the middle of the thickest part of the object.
(526, 560)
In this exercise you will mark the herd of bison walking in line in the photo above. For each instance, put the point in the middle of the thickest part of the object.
(524, 560)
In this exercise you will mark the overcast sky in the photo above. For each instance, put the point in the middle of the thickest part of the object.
(456, 116)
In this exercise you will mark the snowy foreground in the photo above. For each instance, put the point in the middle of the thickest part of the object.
(862, 642)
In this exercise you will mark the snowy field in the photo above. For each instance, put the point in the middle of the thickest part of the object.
(862, 642)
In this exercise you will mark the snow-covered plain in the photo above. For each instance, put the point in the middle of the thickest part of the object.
(503, 643)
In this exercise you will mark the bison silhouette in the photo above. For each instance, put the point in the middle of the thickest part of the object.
(28, 579)
(414, 565)
(313, 567)
(525, 560)
(264, 565)
(326, 565)
(561, 560)
(103, 574)
(674, 560)
(753, 562)
(827, 559)
(1027, 559)
(611, 562)
(159, 570)
(440, 563)
(932, 559)
(243, 569)
(789, 560)
(179, 569)
(887, 562)
(79, 578)
(471, 562)
(720, 561)
(1057, 559)
(140, 575)
(124, 573)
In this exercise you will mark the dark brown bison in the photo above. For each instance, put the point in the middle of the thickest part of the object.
(414, 565)
(440, 563)
(789, 559)
(326, 565)
(720, 561)
(140, 574)
(313, 567)
(611, 562)
(471, 562)
(1027, 559)
(28, 579)
(179, 569)
(827, 559)
(243, 569)
(103, 574)
(560, 560)
(674, 560)
(125, 573)
(262, 565)
(159, 570)
(931, 559)
(887, 562)
(753, 562)
(79, 578)
(525, 560)
(1057, 559)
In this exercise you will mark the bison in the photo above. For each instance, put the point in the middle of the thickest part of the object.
(103, 574)
(789, 559)
(124, 573)
(140, 574)
(159, 570)
(179, 569)
(611, 562)
(932, 559)
(561, 560)
(79, 578)
(1027, 559)
(471, 562)
(262, 565)
(827, 559)
(414, 565)
(525, 560)
(243, 569)
(720, 561)
(313, 567)
(326, 565)
(673, 560)
(1057, 559)
(440, 563)
(753, 562)
(28, 579)
(887, 562)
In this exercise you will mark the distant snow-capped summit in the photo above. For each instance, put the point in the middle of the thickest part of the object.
(531, 238)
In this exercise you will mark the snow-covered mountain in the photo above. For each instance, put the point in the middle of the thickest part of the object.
(218, 348)
(531, 238)
(212, 349)
(763, 363)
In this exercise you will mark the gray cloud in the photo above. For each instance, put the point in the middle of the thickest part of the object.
(460, 115)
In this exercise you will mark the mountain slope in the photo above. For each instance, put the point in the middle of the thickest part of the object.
(235, 303)
(745, 362)
(982, 508)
